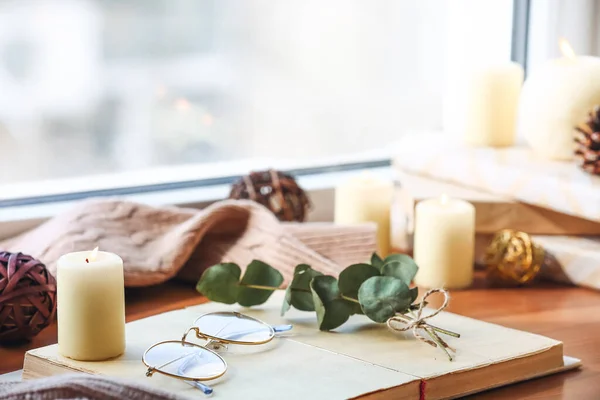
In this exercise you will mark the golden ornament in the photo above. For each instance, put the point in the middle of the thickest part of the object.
(512, 257)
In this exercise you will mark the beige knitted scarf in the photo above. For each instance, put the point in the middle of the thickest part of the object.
(80, 387)
(157, 244)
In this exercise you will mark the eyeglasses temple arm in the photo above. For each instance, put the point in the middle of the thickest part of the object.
(199, 385)
(282, 328)
(207, 390)
(237, 335)
(276, 329)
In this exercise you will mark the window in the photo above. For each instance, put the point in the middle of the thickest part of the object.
(164, 89)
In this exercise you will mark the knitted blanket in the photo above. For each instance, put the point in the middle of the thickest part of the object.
(80, 387)
(157, 244)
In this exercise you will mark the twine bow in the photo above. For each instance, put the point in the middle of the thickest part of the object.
(417, 321)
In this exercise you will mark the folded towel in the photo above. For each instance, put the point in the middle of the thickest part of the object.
(158, 243)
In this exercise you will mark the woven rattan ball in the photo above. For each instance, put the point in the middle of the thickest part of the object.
(513, 258)
(275, 190)
(27, 297)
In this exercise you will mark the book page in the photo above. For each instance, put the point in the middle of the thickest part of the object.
(480, 344)
(283, 367)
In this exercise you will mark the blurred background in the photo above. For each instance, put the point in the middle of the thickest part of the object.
(104, 86)
(97, 86)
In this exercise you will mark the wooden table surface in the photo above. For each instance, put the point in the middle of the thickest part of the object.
(569, 314)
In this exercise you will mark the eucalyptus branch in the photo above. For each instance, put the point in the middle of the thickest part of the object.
(444, 331)
(352, 299)
(439, 342)
(261, 287)
(381, 289)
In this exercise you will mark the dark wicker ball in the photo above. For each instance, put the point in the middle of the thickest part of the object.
(27, 297)
(275, 190)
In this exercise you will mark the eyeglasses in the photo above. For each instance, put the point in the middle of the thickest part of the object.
(194, 363)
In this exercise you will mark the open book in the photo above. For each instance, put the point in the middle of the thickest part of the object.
(360, 359)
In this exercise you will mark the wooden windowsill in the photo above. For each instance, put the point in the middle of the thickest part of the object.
(564, 313)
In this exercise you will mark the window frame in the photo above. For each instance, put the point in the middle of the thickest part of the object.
(520, 32)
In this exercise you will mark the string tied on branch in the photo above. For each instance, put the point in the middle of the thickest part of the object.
(417, 321)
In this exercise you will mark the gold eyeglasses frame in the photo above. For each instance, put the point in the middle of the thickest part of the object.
(212, 341)
(151, 370)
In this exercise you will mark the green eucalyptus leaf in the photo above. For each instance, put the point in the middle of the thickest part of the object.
(298, 293)
(354, 307)
(400, 266)
(287, 301)
(352, 277)
(416, 306)
(261, 274)
(332, 311)
(414, 293)
(382, 296)
(336, 313)
(376, 261)
(220, 283)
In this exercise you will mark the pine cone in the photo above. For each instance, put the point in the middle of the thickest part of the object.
(587, 143)
(275, 190)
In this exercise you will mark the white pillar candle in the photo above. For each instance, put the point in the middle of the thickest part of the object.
(91, 305)
(482, 105)
(366, 199)
(556, 98)
(444, 243)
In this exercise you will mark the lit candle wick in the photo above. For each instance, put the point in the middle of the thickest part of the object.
(92, 256)
(566, 49)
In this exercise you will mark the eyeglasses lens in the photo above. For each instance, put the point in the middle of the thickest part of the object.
(234, 327)
(185, 360)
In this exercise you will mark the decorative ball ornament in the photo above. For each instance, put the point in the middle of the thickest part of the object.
(275, 190)
(27, 297)
(513, 258)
